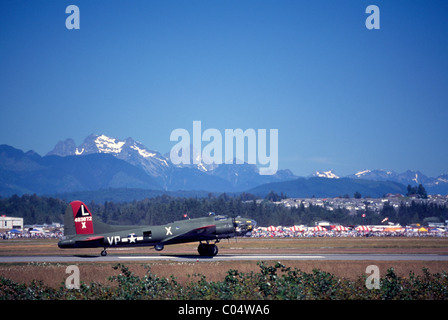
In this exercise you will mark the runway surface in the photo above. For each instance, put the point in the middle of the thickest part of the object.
(226, 257)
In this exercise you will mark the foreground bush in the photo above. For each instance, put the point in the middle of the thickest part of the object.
(271, 282)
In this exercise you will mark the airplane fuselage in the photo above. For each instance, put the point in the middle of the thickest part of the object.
(207, 228)
(82, 231)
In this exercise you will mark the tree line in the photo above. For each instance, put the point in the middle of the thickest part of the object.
(164, 209)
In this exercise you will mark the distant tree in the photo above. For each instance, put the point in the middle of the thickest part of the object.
(421, 191)
(224, 197)
(411, 190)
(273, 196)
(164, 209)
(211, 196)
(357, 195)
(247, 196)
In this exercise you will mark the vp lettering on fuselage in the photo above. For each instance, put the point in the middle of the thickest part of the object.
(114, 240)
(131, 238)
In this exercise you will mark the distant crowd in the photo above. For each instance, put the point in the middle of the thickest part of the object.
(263, 233)
(337, 234)
(30, 235)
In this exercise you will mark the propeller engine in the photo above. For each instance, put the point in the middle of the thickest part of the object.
(243, 225)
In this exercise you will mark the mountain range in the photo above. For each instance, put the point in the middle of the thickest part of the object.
(435, 185)
(103, 162)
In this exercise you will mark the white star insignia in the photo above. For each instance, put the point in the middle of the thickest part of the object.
(132, 238)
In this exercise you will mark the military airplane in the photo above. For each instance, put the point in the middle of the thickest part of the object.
(82, 231)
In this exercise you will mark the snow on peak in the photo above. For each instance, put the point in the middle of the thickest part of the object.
(361, 173)
(416, 178)
(441, 179)
(144, 153)
(202, 167)
(78, 153)
(106, 144)
(326, 174)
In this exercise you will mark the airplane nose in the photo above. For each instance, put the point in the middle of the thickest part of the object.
(244, 225)
(251, 224)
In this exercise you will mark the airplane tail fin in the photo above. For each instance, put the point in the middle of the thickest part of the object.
(77, 219)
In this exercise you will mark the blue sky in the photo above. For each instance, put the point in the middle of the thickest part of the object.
(341, 96)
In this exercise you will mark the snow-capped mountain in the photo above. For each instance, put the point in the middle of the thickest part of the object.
(133, 152)
(439, 185)
(104, 144)
(103, 162)
(30, 173)
(414, 177)
(441, 179)
(433, 185)
(407, 177)
(325, 174)
(195, 156)
(213, 177)
(380, 175)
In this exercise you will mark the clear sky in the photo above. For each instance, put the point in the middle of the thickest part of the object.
(341, 96)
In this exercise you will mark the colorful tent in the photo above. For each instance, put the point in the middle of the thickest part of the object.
(340, 228)
(14, 231)
(272, 228)
(296, 229)
(363, 228)
(318, 228)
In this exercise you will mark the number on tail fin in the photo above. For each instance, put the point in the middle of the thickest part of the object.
(82, 217)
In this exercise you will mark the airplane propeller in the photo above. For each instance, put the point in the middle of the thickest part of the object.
(243, 225)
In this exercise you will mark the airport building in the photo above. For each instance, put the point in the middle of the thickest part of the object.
(11, 223)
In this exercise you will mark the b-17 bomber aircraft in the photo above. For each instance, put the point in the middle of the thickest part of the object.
(82, 231)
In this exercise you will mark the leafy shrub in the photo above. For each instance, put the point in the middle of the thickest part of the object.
(271, 282)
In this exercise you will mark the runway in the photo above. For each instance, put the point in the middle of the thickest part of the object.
(225, 257)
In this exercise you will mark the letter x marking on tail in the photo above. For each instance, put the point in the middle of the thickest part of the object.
(168, 231)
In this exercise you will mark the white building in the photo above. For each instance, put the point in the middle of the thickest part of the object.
(11, 223)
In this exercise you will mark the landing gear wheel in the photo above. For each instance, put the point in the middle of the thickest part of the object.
(104, 253)
(208, 250)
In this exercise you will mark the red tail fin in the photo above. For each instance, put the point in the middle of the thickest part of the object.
(82, 217)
